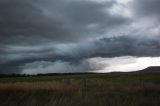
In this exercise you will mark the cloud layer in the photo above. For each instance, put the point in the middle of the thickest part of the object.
(54, 20)
(65, 35)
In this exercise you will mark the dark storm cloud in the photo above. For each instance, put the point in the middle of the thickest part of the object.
(64, 35)
(129, 46)
(80, 52)
(54, 20)
(147, 7)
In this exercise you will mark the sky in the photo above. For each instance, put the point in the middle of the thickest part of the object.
(65, 36)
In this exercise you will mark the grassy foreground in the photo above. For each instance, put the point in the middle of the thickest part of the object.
(116, 89)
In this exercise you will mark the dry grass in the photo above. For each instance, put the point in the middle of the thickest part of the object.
(48, 85)
(109, 90)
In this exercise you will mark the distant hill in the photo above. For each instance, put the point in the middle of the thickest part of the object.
(152, 69)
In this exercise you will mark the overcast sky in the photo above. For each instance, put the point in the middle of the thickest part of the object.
(61, 36)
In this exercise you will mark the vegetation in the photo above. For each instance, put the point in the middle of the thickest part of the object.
(114, 89)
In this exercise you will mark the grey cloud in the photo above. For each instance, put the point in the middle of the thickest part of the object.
(79, 52)
(49, 65)
(59, 67)
(39, 34)
(40, 21)
(129, 46)
(147, 7)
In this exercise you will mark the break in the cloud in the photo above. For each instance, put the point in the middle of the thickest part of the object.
(38, 36)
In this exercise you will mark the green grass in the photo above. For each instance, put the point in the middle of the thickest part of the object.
(114, 89)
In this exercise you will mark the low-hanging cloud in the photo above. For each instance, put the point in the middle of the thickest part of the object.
(80, 52)
(65, 35)
(60, 67)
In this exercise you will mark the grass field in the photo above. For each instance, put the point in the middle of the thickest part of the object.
(115, 89)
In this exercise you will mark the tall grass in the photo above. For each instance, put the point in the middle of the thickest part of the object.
(97, 90)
